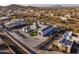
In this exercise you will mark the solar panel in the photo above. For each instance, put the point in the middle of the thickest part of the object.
(62, 41)
(66, 42)
(68, 35)
(47, 32)
(46, 28)
(70, 42)
(53, 31)
(17, 23)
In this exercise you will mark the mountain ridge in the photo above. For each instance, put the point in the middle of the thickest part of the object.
(16, 6)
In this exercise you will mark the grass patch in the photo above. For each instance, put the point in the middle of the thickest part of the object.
(33, 33)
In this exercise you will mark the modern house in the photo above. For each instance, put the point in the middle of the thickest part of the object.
(16, 24)
(4, 19)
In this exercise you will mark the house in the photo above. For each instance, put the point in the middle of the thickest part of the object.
(16, 24)
(68, 41)
(4, 19)
(26, 29)
(36, 26)
(63, 18)
(67, 16)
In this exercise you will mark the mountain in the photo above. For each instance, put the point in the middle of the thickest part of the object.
(20, 7)
(15, 7)
(43, 6)
(1, 7)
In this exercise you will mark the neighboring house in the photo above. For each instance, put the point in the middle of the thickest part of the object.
(16, 24)
(4, 19)
(68, 41)
(63, 18)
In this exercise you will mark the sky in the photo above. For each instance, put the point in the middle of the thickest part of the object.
(34, 2)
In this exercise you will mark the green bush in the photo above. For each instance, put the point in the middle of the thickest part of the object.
(77, 30)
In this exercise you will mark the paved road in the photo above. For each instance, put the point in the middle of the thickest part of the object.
(20, 42)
